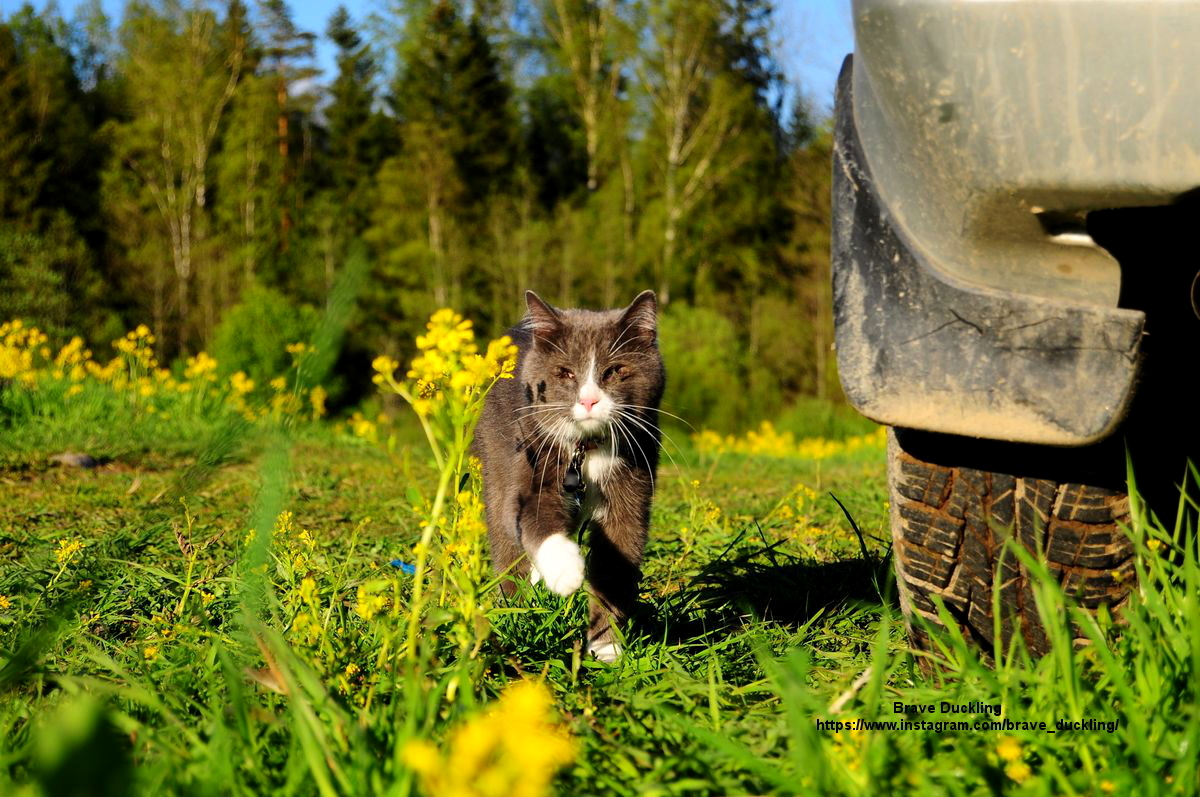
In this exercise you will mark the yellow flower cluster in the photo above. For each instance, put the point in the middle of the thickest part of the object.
(136, 375)
(767, 441)
(1011, 753)
(463, 569)
(511, 750)
(369, 602)
(18, 346)
(449, 367)
(202, 366)
(66, 551)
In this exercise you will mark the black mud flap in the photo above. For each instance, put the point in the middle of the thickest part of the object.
(917, 350)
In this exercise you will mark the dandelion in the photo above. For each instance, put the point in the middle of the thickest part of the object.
(1107, 786)
(1009, 749)
(512, 749)
(150, 652)
(5, 603)
(66, 551)
(1019, 771)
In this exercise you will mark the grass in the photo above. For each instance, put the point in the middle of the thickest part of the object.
(222, 616)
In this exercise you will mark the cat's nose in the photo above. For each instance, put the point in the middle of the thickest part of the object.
(588, 402)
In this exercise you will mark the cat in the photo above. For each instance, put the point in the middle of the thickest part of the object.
(573, 440)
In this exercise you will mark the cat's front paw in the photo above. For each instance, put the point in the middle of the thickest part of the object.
(607, 652)
(560, 564)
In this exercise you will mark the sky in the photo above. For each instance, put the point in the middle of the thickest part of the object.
(814, 35)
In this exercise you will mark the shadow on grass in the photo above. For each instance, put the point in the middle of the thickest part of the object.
(752, 582)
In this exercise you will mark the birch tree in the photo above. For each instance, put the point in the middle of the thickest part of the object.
(698, 112)
(180, 75)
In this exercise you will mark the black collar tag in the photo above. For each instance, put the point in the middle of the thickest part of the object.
(573, 481)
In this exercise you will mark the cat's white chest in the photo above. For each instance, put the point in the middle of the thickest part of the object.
(599, 465)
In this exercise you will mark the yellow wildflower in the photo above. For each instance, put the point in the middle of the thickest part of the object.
(66, 551)
(150, 652)
(368, 605)
(1018, 771)
(362, 427)
(1009, 749)
(513, 749)
(241, 383)
(316, 398)
(202, 365)
(5, 603)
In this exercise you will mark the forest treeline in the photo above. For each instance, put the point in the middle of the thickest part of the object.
(187, 166)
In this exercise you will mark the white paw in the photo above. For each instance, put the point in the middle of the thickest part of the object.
(534, 575)
(606, 652)
(559, 564)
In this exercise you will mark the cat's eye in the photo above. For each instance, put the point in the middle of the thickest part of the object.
(614, 371)
(566, 373)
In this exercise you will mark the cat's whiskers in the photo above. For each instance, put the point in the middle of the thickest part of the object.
(632, 438)
(555, 439)
(641, 423)
(534, 410)
(651, 431)
(661, 411)
(612, 347)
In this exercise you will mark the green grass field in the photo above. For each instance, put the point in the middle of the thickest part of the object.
(214, 610)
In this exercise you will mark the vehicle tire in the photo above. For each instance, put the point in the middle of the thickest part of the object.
(954, 501)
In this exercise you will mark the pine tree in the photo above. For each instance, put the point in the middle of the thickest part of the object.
(288, 53)
(24, 172)
(458, 134)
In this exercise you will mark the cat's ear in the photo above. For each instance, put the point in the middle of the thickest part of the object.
(544, 320)
(641, 317)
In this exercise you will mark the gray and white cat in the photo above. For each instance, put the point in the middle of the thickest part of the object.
(573, 439)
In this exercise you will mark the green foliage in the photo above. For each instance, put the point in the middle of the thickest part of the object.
(587, 150)
(254, 335)
(705, 370)
(30, 286)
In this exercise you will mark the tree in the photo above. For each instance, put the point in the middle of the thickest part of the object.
(49, 156)
(180, 75)
(588, 42)
(287, 57)
(458, 135)
(25, 173)
(246, 173)
(699, 112)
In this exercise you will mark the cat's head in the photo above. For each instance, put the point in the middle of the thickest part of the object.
(593, 374)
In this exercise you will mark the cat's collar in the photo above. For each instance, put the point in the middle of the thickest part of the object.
(573, 480)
